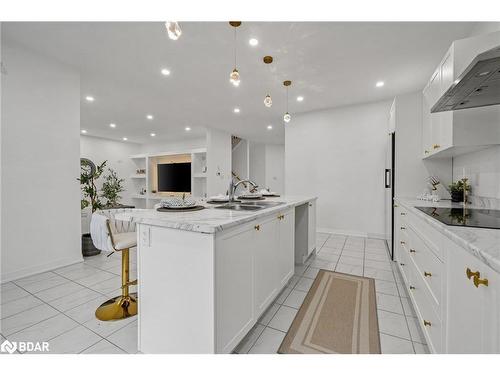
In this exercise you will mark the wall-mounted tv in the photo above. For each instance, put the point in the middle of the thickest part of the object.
(174, 177)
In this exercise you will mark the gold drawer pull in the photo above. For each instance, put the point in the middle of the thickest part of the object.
(412, 287)
(412, 251)
(395, 205)
(402, 242)
(401, 264)
(478, 281)
(427, 323)
(257, 227)
(470, 274)
(403, 228)
(427, 274)
(426, 151)
(436, 147)
(403, 213)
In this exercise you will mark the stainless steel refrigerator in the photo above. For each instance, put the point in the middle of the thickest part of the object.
(389, 178)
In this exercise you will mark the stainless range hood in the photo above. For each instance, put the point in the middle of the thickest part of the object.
(477, 86)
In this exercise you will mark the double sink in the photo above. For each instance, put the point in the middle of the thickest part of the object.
(249, 206)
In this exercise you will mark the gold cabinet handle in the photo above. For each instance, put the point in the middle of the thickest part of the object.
(412, 251)
(427, 274)
(426, 151)
(403, 213)
(478, 281)
(403, 228)
(395, 205)
(401, 264)
(427, 323)
(470, 274)
(436, 147)
(412, 287)
(402, 242)
(257, 227)
(282, 216)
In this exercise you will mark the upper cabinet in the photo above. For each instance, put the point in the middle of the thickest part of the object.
(451, 133)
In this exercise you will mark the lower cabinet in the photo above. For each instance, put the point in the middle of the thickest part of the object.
(456, 296)
(253, 262)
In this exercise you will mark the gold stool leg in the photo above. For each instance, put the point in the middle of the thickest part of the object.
(123, 306)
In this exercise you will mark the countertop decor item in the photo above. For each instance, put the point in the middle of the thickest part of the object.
(459, 189)
(176, 202)
(180, 209)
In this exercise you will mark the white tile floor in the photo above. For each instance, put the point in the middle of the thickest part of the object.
(59, 306)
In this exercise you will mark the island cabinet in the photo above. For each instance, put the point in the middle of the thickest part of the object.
(202, 292)
(455, 314)
(253, 263)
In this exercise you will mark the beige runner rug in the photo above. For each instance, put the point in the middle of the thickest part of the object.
(339, 315)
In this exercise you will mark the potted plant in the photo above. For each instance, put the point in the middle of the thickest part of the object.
(111, 189)
(457, 190)
(89, 173)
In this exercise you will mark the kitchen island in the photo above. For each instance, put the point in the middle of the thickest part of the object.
(205, 277)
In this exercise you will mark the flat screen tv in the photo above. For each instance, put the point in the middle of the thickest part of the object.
(174, 177)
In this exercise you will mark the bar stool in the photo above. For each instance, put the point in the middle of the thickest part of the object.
(124, 305)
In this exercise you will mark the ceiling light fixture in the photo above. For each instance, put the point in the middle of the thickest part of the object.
(125, 138)
(149, 117)
(173, 30)
(152, 135)
(286, 116)
(165, 72)
(112, 125)
(253, 42)
(268, 101)
(236, 110)
(187, 128)
(89, 98)
(300, 98)
(380, 84)
(269, 127)
(234, 77)
(83, 131)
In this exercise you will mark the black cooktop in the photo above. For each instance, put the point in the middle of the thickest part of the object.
(470, 217)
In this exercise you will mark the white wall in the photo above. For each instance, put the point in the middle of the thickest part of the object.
(275, 168)
(40, 164)
(173, 146)
(240, 159)
(339, 156)
(218, 161)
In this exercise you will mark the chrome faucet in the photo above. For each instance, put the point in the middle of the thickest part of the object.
(233, 186)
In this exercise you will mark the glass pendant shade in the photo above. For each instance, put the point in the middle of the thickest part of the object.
(287, 117)
(268, 102)
(173, 30)
(234, 77)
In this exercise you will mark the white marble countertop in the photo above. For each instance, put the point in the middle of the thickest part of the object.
(482, 243)
(209, 220)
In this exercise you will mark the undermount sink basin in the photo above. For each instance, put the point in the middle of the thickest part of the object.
(248, 206)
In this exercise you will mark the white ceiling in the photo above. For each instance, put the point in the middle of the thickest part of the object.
(330, 63)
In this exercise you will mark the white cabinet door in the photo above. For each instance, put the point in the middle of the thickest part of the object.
(265, 245)
(435, 124)
(426, 122)
(286, 252)
(234, 287)
(473, 312)
(445, 136)
(311, 235)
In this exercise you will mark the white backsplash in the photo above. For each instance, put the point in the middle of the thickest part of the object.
(482, 168)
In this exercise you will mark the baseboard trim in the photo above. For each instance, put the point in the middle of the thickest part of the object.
(354, 233)
(40, 268)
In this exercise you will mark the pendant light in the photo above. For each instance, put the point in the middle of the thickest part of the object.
(234, 77)
(268, 101)
(286, 116)
(173, 30)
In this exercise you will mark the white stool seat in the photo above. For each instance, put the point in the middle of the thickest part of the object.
(125, 240)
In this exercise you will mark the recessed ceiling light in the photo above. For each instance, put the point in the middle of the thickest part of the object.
(83, 131)
(165, 72)
(125, 138)
(187, 128)
(152, 135)
(149, 117)
(236, 110)
(89, 98)
(253, 42)
(112, 125)
(380, 84)
(300, 98)
(269, 127)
